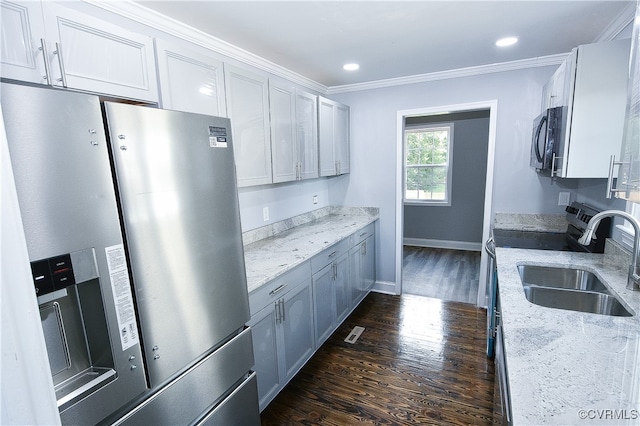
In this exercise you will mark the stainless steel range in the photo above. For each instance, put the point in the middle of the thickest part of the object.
(577, 215)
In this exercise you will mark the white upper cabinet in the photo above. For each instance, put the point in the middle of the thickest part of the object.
(553, 93)
(294, 133)
(248, 108)
(341, 138)
(80, 52)
(333, 137)
(282, 106)
(22, 32)
(594, 101)
(307, 134)
(190, 81)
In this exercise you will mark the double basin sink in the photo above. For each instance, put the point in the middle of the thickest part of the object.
(569, 288)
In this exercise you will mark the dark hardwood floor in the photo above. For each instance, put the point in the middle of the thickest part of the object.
(441, 273)
(418, 361)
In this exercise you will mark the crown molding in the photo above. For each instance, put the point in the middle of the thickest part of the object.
(626, 17)
(541, 61)
(146, 16)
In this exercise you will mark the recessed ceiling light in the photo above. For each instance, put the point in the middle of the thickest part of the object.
(507, 41)
(350, 67)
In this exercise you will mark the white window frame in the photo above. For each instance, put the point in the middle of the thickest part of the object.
(625, 230)
(417, 127)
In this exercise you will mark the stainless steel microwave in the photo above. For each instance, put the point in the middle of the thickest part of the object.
(546, 139)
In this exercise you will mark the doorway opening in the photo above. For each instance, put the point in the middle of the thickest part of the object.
(444, 234)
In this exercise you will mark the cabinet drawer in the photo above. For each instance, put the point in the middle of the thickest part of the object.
(268, 293)
(328, 255)
(362, 234)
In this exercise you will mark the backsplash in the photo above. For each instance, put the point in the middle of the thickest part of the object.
(278, 227)
(530, 222)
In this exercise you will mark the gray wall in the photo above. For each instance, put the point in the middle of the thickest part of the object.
(462, 220)
(374, 146)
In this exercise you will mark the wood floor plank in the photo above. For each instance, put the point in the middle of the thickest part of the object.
(441, 273)
(419, 360)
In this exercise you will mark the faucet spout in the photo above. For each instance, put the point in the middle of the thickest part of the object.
(633, 282)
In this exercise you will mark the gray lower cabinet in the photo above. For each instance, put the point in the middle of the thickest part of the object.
(362, 264)
(282, 330)
(294, 314)
(330, 282)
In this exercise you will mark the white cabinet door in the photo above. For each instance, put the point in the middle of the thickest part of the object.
(333, 137)
(341, 138)
(190, 81)
(324, 307)
(90, 54)
(297, 329)
(294, 133)
(265, 351)
(325, 137)
(282, 107)
(307, 134)
(248, 109)
(22, 32)
(595, 93)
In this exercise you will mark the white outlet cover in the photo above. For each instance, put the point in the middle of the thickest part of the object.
(564, 198)
(265, 213)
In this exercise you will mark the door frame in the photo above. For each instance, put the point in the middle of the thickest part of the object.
(492, 106)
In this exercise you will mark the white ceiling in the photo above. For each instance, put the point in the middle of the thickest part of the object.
(392, 39)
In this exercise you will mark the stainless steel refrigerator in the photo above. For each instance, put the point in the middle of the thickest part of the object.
(133, 231)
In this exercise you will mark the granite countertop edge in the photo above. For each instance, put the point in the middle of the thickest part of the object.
(278, 248)
(567, 367)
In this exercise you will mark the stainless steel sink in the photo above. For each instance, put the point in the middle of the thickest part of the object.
(569, 278)
(572, 289)
(576, 300)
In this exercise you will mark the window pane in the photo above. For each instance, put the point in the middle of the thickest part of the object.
(427, 162)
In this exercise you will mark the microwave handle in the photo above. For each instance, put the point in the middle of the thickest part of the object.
(537, 139)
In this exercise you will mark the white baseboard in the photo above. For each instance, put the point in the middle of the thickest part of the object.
(444, 244)
(386, 287)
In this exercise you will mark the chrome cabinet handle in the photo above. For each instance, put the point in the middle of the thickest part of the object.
(364, 248)
(612, 163)
(45, 57)
(277, 308)
(277, 289)
(332, 253)
(63, 74)
(282, 311)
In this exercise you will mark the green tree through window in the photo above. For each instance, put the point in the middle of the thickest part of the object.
(427, 160)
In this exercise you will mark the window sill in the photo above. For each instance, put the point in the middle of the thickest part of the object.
(427, 203)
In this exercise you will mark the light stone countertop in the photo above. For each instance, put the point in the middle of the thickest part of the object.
(289, 243)
(560, 362)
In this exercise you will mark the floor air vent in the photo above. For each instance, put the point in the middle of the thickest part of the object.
(355, 333)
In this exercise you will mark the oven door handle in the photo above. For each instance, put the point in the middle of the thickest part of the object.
(490, 247)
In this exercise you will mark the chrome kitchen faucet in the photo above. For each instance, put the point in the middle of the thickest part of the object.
(633, 282)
